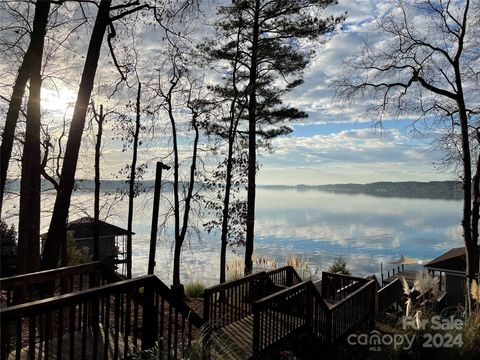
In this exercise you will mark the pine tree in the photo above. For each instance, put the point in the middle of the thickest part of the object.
(261, 53)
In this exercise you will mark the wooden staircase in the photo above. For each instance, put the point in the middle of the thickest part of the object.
(87, 312)
(259, 315)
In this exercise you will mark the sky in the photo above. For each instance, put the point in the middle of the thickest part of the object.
(338, 143)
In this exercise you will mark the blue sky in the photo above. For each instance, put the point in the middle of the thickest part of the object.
(336, 144)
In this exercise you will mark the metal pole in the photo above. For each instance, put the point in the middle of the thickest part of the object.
(156, 203)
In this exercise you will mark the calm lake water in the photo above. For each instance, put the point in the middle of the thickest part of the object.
(364, 230)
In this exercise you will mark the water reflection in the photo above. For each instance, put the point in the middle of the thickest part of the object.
(365, 230)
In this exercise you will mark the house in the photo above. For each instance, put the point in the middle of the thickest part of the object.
(112, 239)
(450, 267)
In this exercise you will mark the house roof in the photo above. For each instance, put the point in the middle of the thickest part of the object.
(453, 259)
(83, 228)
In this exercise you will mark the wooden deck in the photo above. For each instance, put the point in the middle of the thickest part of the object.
(237, 337)
(83, 347)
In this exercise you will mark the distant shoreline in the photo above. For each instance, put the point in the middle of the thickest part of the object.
(449, 190)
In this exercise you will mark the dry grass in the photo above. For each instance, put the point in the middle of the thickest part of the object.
(235, 267)
(302, 267)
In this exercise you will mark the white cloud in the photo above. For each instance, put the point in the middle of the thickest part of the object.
(348, 156)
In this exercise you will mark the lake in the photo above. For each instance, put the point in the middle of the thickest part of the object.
(365, 230)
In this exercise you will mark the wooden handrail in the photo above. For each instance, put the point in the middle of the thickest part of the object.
(60, 301)
(291, 275)
(113, 307)
(285, 292)
(388, 295)
(337, 286)
(184, 308)
(351, 295)
(356, 278)
(10, 283)
(35, 307)
(234, 283)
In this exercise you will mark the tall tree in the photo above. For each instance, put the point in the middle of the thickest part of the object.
(100, 119)
(180, 91)
(230, 94)
(107, 15)
(132, 179)
(272, 61)
(427, 66)
(28, 250)
(56, 232)
(33, 57)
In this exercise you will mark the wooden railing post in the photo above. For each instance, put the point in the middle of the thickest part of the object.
(289, 276)
(328, 327)
(373, 305)
(325, 286)
(309, 309)
(206, 344)
(206, 305)
(149, 333)
(256, 331)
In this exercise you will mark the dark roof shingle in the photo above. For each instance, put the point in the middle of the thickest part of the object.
(83, 228)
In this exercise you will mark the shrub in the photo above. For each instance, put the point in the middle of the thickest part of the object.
(471, 337)
(8, 239)
(194, 289)
(75, 255)
(339, 266)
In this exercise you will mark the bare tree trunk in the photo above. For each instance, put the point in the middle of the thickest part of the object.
(226, 205)
(131, 184)
(252, 143)
(176, 202)
(191, 184)
(96, 204)
(232, 131)
(188, 200)
(42, 9)
(476, 202)
(471, 248)
(180, 231)
(56, 233)
(28, 253)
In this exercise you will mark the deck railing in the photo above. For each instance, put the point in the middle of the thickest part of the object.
(281, 317)
(285, 276)
(336, 287)
(231, 301)
(389, 295)
(28, 287)
(355, 309)
(107, 322)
